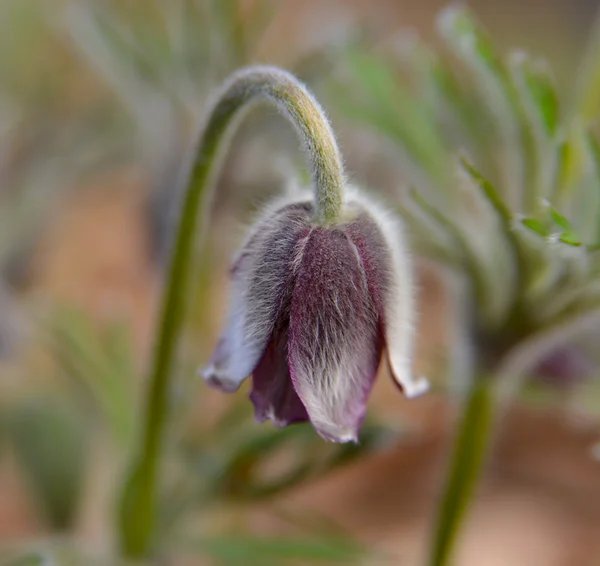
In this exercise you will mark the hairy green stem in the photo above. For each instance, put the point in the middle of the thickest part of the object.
(138, 504)
(469, 452)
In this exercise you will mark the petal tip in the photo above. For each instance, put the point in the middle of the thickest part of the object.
(334, 433)
(410, 386)
(281, 417)
(270, 415)
(415, 388)
(213, 377)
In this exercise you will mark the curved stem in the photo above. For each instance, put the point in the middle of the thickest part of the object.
(138, 504)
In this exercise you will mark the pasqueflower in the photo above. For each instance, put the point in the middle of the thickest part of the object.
(312, 310)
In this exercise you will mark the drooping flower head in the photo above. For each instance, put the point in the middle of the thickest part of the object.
(313, 308)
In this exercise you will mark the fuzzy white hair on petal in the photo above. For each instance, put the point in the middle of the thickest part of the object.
(236, 354)
(261, 279)
(333, 352)
(400, 304)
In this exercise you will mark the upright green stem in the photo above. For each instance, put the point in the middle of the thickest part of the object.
(467, 459)
(138, 505)
(485, 403)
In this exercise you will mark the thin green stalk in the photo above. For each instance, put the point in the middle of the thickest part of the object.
(467, 460)
(486, 401)
(138, 504)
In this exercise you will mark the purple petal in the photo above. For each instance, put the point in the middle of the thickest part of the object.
(273, 393)
(380, 244)
(270, 285)
(235, 356)
(334, 342)
(262, 280)
(564, 367)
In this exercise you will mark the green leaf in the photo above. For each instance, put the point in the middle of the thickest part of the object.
(459, 114)
(379, 98)
(570, 239)
(524, 266)
(568, 236)
(538, 87)
(538, 103)
(571, 160)
(536, 226)
(490, 192)
(560, 220)
(472, 44)
(459, 23)
(546, 99)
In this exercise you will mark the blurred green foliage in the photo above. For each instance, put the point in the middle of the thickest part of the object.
(100, 364)
(256, 551)
(162, 60)
(505, 194)
(505, 186)
(49, 442)
(225, 459)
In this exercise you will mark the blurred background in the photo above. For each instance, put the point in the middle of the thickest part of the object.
(99, 103)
